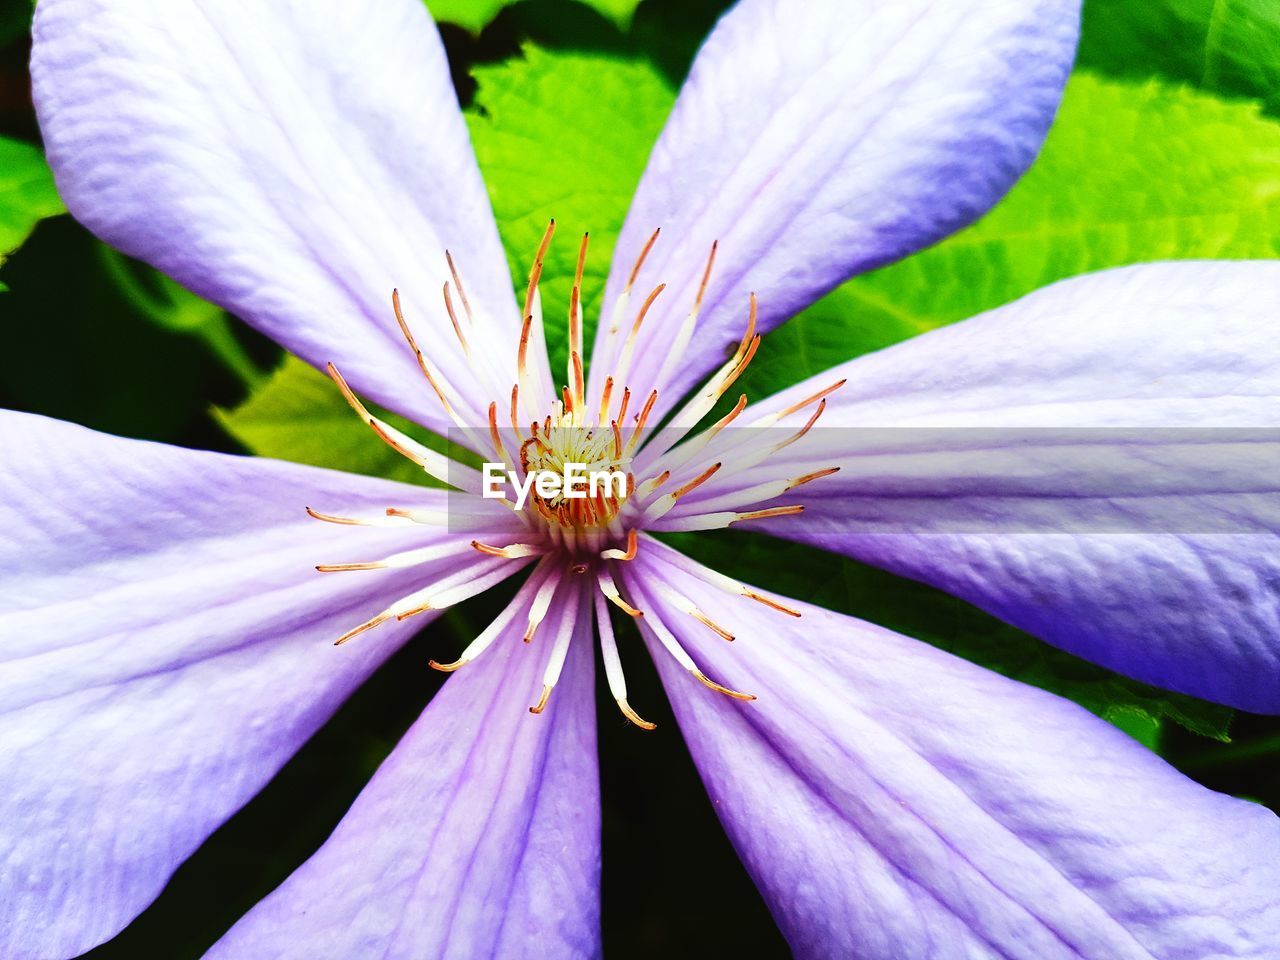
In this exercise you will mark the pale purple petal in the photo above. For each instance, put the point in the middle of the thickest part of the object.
(478, 837)
(1149, 550)
(167, 645)
(816, 139)
(894, 802)
(291, 161)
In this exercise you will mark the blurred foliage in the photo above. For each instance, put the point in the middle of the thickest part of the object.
(1223, 46)
(27, 193)
(475, 15)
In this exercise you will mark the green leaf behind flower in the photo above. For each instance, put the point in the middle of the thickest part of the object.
(299, 415)
(1225, 46)
(27, 193)
(565, 136)
(475, 15)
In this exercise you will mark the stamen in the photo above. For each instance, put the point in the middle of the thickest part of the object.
(676, 354)
(495, 437)
(541, 603)
(535, 272)
(822, 406)
(575, 324)
(660, 507)
(423, 364)
(810, 477)
(696, 482)
(720, 688)
(434, 464)
(633, 544)
(642, 419)
(623, 366)
(367, 625)
(781, 607)
(511, 551)
(462, 585)
(542, 700)
(453, 317)
(559, 648)
(406, 558)
(760, 492)
(726, 583)
(491, 632)
(644, 254)
(824, 392)
(634, 717)
(613, 664)
(383, 521)
(652, 484)
(673, 647)
(605, 396)
(685, 605)
(457, 282)
(515, 411)
(697, 408)
(610, 590)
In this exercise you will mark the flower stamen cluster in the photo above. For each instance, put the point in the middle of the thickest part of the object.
(584, 544)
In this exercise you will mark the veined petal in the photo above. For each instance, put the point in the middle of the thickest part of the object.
(166, 644)
(816, 139)
(478, 837)
(291, 161)
(894, 802)
(1058, 463)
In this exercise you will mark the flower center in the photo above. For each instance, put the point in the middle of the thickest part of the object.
(581, 482)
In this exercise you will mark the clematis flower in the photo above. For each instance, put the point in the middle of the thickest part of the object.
(168, 642)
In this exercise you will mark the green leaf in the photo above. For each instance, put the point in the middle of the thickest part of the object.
(472, 15)
(170, 306)
(1226, 46)
(1130, 172)
(475, 15)
(27, 193)
(619, 11)
(299, 415)
(927, 614)
(565, 136)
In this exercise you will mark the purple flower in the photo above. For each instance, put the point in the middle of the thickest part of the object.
(167, 639)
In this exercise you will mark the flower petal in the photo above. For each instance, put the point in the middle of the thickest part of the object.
(290, 161)
(1060, 502)
(166, 645)
(478, 837)
(893, 801)
(816, 139)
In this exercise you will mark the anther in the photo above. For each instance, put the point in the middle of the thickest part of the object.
(721, 688)
(633, 716)
(542, 700)
(367, 625)
(633, 545)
